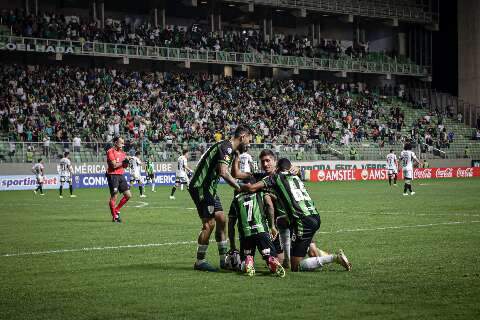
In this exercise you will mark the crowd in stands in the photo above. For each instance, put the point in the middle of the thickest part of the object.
(58, 26)
(60, 104)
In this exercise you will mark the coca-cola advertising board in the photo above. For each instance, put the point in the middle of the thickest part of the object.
(382, 174)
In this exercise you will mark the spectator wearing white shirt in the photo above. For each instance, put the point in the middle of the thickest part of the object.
(77, 143)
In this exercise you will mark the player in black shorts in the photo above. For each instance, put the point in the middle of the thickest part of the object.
(268, 165)
(253, 228)
(214, 164)
(303, 216)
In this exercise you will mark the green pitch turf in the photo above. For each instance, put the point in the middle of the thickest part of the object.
(414, 257)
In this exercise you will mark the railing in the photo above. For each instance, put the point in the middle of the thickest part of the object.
(348, 64)
(446, 104)
(162, 152)
(27, 152)
(366, 8)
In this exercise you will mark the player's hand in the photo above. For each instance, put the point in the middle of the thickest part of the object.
(273, 233)
(243, 186)
(294, 170)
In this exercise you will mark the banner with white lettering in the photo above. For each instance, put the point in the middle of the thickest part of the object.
(27, 182)
(382, 174)
(93, 180)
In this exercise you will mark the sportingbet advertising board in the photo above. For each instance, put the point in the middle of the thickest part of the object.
(94, 180)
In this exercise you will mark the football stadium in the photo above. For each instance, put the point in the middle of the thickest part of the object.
(229, 159)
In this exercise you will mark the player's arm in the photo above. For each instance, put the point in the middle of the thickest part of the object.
(252, 187)
(114, 164)
(416, 160)
(232, 221)
(236, 173)
(223, 172)
(270, 211)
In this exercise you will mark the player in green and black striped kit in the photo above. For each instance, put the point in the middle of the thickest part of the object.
(304, 217)
(214, 164)
(149, 168)
(253, 228)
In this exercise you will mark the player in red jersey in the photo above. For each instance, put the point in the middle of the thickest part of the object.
(117, 161)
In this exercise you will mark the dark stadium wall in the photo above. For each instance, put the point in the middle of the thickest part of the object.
(445, 56)
(469, 51)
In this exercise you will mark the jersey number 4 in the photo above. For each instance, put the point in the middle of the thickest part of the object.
(299, 193)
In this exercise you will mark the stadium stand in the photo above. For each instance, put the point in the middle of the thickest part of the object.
(161, 112)
(58, 26)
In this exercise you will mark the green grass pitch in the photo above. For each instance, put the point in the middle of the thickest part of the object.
(414, 257)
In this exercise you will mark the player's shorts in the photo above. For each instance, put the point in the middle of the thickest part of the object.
(408, 174)
(277, 244)
(260, 241)
(207, 206)
(181, 177)
(135, 177)
(67, 179)
(40, 179)
(117, 183)
(151, 177)
(392, 171)
(302, 234)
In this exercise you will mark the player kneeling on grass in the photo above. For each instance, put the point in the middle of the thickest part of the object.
(253, 229)
(65, 170)
(303, 216)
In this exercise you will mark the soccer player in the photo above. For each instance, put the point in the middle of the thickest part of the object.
(39, 170)
(407, 159)
(65, 170)
(392, 167)
(135, 166)
(117, 161)
(183, 170)
(304, 217)
(268, 164)
(253, 228)
(214, 164)
(150, 170)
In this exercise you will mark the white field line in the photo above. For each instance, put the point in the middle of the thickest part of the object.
(401, 227)
(132, 246)
(128, 246)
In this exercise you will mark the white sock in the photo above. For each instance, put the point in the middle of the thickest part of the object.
(201, 253)
(284, 235)
(181, 187)
(310, 264)
(153, 187)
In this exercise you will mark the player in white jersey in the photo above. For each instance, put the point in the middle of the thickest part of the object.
(135, 166)
(182, 174)
(246, 162)
(65, 170)
(39, 170)
(407, 159)
(392, 167)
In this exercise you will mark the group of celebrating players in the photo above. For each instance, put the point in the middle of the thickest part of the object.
(271, 208)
